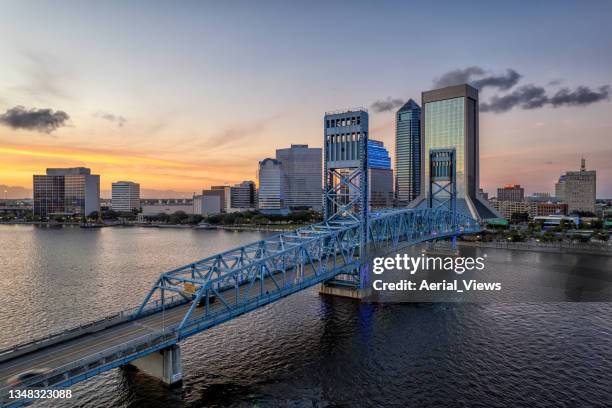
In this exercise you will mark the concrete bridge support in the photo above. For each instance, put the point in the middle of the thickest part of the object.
(344, 291)
(164, 365)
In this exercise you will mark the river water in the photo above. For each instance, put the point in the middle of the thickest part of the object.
(308, 350)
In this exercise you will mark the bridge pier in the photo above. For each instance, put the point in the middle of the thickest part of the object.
(343, 291)
(164, 365)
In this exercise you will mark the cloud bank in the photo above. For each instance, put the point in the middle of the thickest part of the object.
(40, 120)
(387, 104)
(527, 97)
(478, 78)
(534, 97)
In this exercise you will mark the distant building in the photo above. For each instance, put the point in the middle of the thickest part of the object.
(243, 196)
(483, 194)
(550, 208)
(125, 196)
(271, 192)
(154, 207)
(206, 204)
(578, 189)
(542, 198)
(507, 208)
(380, 175)
(511, 192)
(222, 194)
(302, 168)
(66, 191)
(408, 153)
(236, 198)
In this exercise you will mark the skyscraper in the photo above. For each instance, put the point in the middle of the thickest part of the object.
(271, 192)
(125, 196)
(407, 153)
(380, 175)
(302, 176)
(66, 191)
(578, 189)
(450, 172)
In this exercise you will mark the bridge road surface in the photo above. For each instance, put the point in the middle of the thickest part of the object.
(89, 344)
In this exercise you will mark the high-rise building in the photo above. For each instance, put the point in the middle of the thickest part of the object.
(66, 191)
(302, 176)
(407, 153)
(380, 175)
(271, 191)
(578, 189)
(243, 196)
(236, 198)
(125, 196)
(511, 192)
(450, 151)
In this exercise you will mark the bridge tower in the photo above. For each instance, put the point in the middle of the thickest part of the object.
(443, 183)
(442, 179)
(346, 186)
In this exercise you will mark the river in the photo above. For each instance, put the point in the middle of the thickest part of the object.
(308, 350)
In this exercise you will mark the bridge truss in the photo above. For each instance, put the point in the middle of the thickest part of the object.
(221, 286)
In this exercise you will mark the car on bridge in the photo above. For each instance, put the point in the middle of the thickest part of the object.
(18, 379)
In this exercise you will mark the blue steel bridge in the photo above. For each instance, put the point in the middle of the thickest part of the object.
(192, 298)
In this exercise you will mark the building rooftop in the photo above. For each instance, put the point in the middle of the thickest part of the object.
(410, 105)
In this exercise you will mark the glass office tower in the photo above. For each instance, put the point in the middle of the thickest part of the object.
(407, 153)
(450, 121)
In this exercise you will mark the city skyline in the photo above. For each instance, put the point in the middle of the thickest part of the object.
(194, 102)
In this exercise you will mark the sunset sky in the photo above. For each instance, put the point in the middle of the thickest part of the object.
(182, 95)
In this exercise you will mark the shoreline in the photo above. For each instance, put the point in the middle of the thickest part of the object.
(556, 248)
(259, 228)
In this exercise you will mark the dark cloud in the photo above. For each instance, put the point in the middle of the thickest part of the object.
(533, 97)
(476, 76)
(527, 97)
(583, 95)
(458, 76)
(503, 82)
(387, 104)
(40, 120)
(118, 119)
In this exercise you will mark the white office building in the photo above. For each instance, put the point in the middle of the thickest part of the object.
(302, 176)
(125, 196)
(206, 204)
(271, 192)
